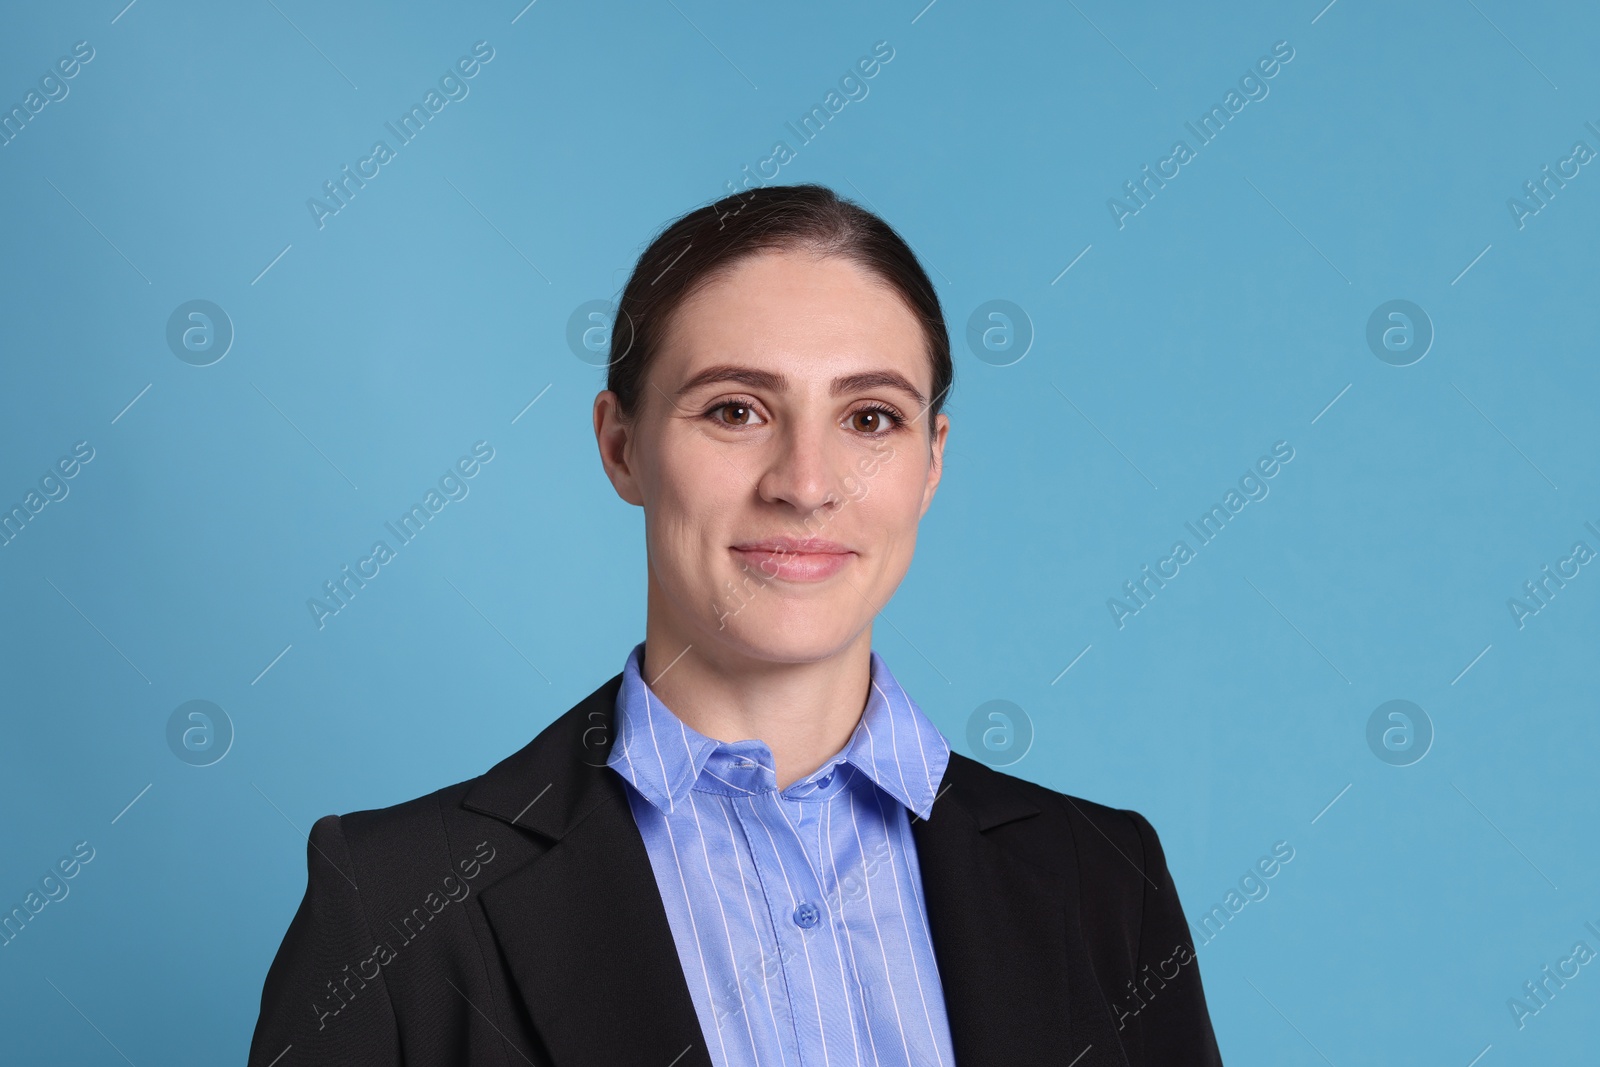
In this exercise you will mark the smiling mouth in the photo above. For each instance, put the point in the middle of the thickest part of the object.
(787, 559)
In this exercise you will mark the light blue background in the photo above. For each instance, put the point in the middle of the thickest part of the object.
(1223, 317)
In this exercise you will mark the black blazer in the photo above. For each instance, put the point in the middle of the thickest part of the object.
(514, 919)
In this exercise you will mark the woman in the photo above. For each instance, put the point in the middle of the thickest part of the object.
(750, 846)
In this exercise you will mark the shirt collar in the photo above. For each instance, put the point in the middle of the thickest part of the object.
(894, 745)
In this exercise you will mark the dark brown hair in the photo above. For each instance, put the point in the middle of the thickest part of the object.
(692, 250)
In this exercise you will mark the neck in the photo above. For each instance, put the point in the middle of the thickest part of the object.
(805, 712)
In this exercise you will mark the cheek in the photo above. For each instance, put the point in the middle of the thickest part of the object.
(897, 481)
(688, 496)
(891, 503)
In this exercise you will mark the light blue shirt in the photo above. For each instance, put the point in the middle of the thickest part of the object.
(798, 914)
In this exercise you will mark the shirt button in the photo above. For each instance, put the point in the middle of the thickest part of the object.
(806, 915)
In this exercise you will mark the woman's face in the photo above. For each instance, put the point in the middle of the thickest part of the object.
(783, 456)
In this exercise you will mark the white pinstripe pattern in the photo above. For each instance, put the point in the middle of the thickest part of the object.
(734, 857)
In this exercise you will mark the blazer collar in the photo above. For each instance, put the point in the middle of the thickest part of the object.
(586, 937)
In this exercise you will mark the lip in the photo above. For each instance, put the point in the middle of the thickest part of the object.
(809, 559)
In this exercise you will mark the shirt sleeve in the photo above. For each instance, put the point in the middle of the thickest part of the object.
(324, 1000)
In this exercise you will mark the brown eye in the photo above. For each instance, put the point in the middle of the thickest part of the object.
(733, 414)
(872, 421)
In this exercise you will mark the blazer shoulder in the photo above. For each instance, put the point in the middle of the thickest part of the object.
(421, 815)
(1099, 831)
(404, 843)
(411, 844)
(1119, 885)
(1113, 854)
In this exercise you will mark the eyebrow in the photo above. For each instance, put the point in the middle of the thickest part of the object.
(772, 380)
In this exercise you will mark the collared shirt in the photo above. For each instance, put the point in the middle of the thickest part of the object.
(798, 914)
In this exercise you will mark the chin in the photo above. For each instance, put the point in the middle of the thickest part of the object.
(780, 632)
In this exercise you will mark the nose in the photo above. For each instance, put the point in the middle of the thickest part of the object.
(802, 469)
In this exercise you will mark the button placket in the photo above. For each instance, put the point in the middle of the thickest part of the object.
(785, 887)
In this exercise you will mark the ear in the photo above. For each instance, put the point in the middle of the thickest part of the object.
(613, 432)
(941, 430)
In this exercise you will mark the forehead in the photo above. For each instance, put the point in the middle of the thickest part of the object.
(810, 315)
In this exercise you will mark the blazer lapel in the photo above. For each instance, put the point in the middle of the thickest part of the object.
(582, 927)
(1005, 934)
